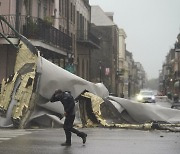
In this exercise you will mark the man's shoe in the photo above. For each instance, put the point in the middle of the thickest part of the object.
(84, 138)
(66, 144)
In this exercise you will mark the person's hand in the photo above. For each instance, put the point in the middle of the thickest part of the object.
(65, 114)
(58, 91)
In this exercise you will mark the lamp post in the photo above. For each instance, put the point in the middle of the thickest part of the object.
(177, 49)
(129, 86)
(100, 71)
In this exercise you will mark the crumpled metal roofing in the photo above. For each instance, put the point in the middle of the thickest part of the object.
(143, 112)
(24, 99)
(27, 92)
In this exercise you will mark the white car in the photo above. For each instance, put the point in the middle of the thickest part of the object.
(146, 96)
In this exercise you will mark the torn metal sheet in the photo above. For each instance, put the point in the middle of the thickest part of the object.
(114, 113)
(143, 112)
(53, 77)
(122, 120)
(103, 112)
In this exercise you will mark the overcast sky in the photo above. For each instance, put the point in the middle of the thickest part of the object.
(151, 26)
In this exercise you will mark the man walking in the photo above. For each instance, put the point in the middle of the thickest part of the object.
(69, 112)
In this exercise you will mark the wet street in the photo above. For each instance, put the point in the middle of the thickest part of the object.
(100, 140)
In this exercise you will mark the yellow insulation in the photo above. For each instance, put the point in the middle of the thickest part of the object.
(25, 64)
(6, 93)
(96, 102)
(24, 93)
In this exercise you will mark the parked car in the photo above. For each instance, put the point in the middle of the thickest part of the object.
(146, 96)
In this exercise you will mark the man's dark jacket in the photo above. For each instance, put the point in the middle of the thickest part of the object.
(67, 100)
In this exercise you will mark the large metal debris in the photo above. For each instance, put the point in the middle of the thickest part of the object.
(17, 91)
(94, 116)
(24, 98)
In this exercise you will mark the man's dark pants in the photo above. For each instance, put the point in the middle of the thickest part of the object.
(68, 128)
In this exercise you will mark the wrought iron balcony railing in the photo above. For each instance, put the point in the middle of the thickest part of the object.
(36, 28)
(87, 37)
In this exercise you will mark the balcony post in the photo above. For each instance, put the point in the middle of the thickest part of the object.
(17, 16)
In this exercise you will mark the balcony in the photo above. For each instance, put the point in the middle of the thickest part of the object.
(37, 29)
(88, 39)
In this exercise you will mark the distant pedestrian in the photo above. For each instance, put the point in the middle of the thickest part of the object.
(69, 112)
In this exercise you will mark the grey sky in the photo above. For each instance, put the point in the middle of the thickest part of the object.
(151, 27)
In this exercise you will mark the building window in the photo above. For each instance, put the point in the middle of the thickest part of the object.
(81, 22)
(74, 38)
(62, 62)
(28, 6)
(56, 61)
(45, 11)
(63, 7)
(81, 27)
(39, 9)
(65, 14)
(74, 14)
(85, 28)
(45, 8)
(71, 12)
(78, 21)
(83, 69)
(60, 7)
